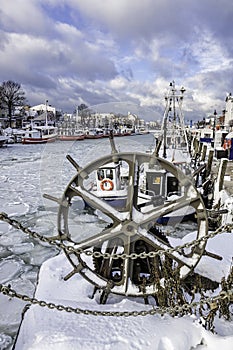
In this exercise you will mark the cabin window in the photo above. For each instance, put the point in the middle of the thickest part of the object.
(100, 174)
(172, 185)
(109, 174)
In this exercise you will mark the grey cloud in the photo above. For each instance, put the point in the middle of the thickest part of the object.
(148, 44)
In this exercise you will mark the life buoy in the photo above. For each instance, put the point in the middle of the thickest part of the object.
(109, 187)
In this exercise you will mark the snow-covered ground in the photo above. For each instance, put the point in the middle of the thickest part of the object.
(43, 328)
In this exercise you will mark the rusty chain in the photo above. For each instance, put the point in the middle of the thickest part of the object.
(71, 249)
(186, 308)
(174, 310)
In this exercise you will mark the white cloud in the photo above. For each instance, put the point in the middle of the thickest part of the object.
(23, 16)
(209, 52)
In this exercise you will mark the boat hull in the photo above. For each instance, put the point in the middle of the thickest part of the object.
(31, 140)
(118, 202)
(89, 136)
(71, 137)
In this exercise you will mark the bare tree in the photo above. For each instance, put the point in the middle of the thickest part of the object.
(84, 113)
(11, 96)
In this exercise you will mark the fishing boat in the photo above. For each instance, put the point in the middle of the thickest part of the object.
(79, 135)
(40, 135)
(155, 185)
(172, 141)
(71, 137)
(94, 133)
(110, 184)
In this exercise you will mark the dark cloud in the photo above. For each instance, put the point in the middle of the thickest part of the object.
(76, 51)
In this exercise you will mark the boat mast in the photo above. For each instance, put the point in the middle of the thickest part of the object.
(46, 113)
(164, 125)
(174, 101)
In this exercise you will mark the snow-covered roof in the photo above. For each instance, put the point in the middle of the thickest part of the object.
(42, 107)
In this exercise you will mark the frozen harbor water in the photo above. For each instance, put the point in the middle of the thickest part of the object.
(27, 172)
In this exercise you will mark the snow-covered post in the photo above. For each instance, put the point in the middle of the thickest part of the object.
(219, 181)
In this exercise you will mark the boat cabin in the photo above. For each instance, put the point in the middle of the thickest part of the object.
(40, 131)
(160, 183)
(206, 135)
(108, 177)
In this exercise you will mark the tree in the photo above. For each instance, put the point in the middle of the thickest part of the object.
(11, 96)
(82, 107)
(84, 113)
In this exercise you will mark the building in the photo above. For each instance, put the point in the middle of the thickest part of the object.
(42, 108)
(229, 111)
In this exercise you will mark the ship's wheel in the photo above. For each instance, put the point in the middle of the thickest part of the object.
(111, 259)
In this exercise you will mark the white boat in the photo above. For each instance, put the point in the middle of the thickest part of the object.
(155, 185)
(72, 134)
(94, 133)
(40, 134)
(110, 185)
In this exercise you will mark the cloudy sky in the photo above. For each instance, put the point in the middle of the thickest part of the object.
(119, 52)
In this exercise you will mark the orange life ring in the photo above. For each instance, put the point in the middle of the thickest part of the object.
(109, 187)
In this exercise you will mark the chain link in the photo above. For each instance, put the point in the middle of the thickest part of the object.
(71, 249)
(226, 296)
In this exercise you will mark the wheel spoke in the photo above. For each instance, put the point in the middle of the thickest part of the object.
(160, 245)
(100, 204)
(163, 210)
(98, 238)
(132, 186)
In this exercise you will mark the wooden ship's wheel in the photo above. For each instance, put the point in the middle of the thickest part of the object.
(134, 229)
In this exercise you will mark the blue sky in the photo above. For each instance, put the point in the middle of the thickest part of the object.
(121, 52)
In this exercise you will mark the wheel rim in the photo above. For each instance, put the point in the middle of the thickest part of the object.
(130, 232)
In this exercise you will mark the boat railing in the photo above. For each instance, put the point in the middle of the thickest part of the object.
(174, 193)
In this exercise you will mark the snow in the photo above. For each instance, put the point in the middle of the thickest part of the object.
(51, 329)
